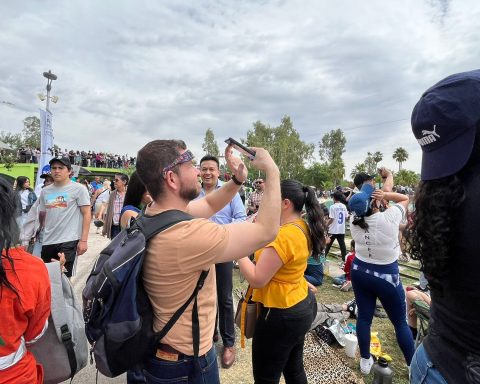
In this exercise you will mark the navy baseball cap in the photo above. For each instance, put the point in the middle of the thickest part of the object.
(360, 178)
(64, 160)
(444, 122)
(360, 202)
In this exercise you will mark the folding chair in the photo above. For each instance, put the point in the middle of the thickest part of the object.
(422, 310)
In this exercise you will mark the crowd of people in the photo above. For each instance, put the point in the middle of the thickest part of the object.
(279, 235)
(94, 159)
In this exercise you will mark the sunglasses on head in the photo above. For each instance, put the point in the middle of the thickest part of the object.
(183, 158)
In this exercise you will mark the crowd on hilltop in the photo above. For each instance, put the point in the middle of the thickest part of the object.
(82, 158)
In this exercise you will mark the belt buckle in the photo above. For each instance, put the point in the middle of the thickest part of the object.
(166, 355)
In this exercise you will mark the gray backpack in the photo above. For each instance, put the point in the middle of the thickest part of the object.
(63, 349)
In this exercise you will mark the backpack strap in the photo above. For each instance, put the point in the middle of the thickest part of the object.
(195, 323)
(153, 225)
(59, 313)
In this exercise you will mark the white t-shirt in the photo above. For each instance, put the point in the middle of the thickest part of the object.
(64, 220)
(24, 198)
(103, 197)
(338, 212)
(379, 244)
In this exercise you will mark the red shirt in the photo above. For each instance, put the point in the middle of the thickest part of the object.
(22, 320)
(348, 264)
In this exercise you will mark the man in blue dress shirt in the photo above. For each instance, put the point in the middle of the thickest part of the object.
(234, 211)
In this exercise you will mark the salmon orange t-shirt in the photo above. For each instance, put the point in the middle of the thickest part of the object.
(173, 263)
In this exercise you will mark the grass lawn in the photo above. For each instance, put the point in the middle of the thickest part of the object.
(328, 294)
(240, 372)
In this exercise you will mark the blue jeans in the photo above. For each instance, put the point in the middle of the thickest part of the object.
(37, 247)
(367, 289)
(314, 274)
(422, 370)
(339, 280)
(159, 371)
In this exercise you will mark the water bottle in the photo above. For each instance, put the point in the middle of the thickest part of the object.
(382, 373)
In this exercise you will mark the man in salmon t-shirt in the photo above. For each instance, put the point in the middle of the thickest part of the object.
(176, 257)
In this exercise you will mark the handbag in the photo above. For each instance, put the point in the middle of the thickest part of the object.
(246, 316)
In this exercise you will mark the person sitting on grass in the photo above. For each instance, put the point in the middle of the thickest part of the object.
(414, 294)
(344, 281)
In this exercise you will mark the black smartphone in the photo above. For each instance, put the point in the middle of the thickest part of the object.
(250, 153)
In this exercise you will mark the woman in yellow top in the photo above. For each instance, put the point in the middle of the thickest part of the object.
(277, 278)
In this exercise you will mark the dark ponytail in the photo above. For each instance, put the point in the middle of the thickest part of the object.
(360, 221)
(303, 196)
(9, 233)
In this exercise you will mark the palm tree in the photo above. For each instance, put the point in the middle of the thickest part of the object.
(400, 156)
(377, 157)
(360, 167)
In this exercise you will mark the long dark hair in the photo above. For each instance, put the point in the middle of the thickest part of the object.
(135, 191)
(8, 231)
(302, 196)
(429, 238)
(21, 180)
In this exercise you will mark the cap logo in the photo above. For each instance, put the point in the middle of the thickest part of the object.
(429, 137)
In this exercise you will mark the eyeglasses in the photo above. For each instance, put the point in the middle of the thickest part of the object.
(185, 157)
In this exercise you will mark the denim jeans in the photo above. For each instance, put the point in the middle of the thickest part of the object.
(314, 274)
(422, 370)
(37, 247)
(158, 371)
(367, 289)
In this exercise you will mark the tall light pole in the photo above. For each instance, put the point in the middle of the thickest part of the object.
(50, 77)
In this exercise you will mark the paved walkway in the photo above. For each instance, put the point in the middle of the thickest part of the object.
(84, 265)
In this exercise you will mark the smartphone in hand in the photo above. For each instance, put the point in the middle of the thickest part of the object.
(250, 153)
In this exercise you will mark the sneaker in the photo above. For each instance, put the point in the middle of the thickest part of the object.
(336, 285)
(366, 365)
(352, 308)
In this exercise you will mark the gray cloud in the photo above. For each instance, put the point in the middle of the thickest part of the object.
(131, 72)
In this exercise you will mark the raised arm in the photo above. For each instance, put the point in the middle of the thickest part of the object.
(245, 238)
(215, 201)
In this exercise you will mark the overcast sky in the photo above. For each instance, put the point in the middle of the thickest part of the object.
(133, 71)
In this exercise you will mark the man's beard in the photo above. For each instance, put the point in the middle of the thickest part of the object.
(189, 193)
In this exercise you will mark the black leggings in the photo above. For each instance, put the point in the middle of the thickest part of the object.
(341, 242)
(278, 342)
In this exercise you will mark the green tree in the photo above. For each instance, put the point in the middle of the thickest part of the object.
(332, 145)
(316, 175)
(210, 146)
(406, 178)
(31, 132)
(331, 149)
(377, 157)
(337, 170)
(14, 140)
(400, 155)
(358, 168)
(285, 146)
(370, 164)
